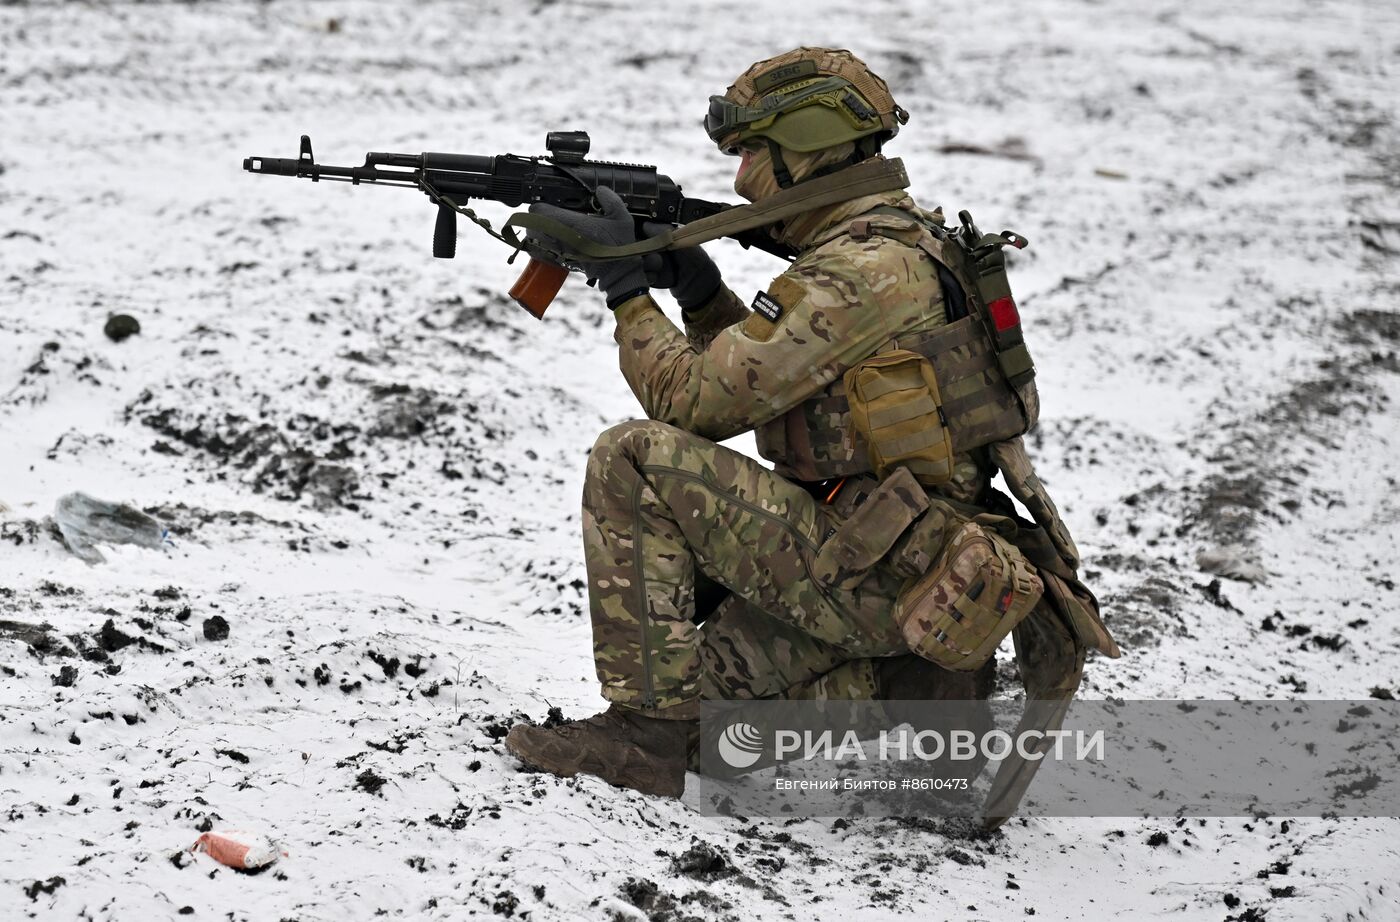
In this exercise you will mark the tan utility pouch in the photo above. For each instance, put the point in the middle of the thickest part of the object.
(897, 411)
(979, 589)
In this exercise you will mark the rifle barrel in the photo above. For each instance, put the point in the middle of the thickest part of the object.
(370, 172)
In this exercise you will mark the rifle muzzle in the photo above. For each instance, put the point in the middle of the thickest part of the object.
(275, 166)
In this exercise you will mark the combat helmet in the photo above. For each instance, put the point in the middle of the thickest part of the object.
(806, 100)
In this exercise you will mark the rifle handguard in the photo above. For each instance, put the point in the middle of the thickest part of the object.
(537, 286)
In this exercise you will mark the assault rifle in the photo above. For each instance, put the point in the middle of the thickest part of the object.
(564, 178)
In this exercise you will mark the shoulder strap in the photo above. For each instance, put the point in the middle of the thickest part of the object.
(955, 289)
(866, 178)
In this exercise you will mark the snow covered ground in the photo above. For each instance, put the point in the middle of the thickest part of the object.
(370, 460)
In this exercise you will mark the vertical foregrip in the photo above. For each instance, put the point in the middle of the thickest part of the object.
(445, 232)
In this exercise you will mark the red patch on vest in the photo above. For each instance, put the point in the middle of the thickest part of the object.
(1004, 315)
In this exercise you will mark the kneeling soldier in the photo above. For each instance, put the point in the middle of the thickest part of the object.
(808, 559)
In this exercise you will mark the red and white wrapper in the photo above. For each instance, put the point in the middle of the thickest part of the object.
(238, 848)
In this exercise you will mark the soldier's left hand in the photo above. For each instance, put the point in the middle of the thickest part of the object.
(620, 279)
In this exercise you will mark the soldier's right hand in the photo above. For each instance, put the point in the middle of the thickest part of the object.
(689, 273)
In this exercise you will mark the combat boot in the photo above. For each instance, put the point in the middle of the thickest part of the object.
(911, 687)
(620, 745)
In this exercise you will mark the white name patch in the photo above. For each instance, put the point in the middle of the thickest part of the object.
(765, 305)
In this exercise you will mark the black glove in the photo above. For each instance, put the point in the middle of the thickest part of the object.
(620, 279)
(689, 272)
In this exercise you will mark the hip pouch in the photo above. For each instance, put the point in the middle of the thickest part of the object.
(896, 410)
(978, 590)
(861, 541)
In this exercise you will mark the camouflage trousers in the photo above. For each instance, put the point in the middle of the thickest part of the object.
(661, 505)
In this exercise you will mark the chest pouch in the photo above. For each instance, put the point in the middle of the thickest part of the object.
(897, 411)
(978, 590)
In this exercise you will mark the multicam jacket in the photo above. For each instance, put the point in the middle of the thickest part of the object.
(777, 368)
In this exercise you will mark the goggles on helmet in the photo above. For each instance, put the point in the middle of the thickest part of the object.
(726, 117)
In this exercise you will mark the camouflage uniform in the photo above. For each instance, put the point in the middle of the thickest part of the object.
(813, 573)
(662, 500)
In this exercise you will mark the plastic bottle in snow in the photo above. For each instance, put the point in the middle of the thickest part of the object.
(86, 521)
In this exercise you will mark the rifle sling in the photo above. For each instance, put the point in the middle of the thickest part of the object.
(866, 178)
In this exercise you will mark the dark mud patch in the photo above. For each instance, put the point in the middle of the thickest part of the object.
(330, 463)
(404, 412)
(1252, 914)
(370, 782)
(456, 820)
(496, 729)
(390, 664)
(112, 639)
(958, 856)
(40, 638)
(1354, 123)
(661, 906)
(1266, 461)
(299, 458)
(968, 832)
(1369, 326)
(397, 743)
(1216, 596)
(1141, 615)
(703, 861)
(184, 520)
(505, 903)
(43, 887)
(1333, 642)
(20, 532)
(1228, 508)
(487, 312)
(1357, 788)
